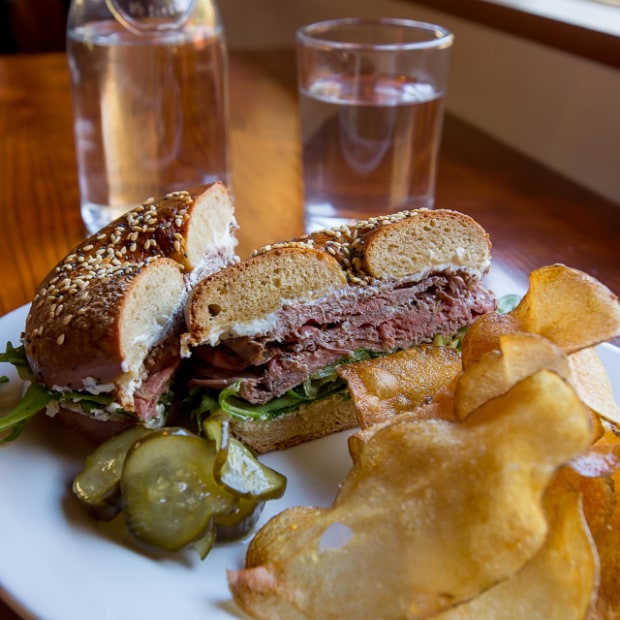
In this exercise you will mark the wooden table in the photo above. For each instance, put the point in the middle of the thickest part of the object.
(534, 216)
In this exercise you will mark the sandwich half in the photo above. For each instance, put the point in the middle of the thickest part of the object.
(266, 335)
(103, 333)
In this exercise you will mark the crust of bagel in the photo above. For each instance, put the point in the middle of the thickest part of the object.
(257, 287)
(95, 428)
(121, 292)
(239, 300)
(310, 421)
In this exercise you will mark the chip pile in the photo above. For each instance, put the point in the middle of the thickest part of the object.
(483, 487)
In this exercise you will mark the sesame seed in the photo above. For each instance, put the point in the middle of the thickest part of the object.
(60, 340)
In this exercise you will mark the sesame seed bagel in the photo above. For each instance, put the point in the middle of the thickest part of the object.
(116, 299)
(268, 325)
(405, 244)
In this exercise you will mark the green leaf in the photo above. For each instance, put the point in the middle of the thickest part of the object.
(323, 383)
(14, 355)
(240, 408)
(507, 303)
(35, 399)
(17, 357)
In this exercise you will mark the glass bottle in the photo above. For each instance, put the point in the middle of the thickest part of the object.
(150, 99)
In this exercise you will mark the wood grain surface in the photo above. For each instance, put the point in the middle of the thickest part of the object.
(534, 216)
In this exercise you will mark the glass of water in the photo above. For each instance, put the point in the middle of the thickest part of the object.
(371, 104)
(149, 82)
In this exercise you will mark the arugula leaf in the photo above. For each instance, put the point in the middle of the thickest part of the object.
(323, 383)
(36, 398)
(237, 407)
(507, 303)
(451, 341)
(14, 355)
(17, 357)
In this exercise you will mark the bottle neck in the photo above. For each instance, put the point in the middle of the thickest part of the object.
(143, 16)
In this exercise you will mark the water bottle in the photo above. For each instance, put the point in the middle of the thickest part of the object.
(149, 82)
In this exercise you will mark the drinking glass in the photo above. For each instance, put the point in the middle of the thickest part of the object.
(149, 82)
(371, 112)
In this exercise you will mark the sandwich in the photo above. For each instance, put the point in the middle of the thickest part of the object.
(102, 336)
(266, 336)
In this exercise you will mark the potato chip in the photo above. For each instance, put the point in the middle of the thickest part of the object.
(432, 514)
(569, 307)
(385, 387)
(565, 305)
(484, 333)
(442, 408)
(495, 372)
(607, 542)
(591, 381)
(602, 459)
(558, 584)
(598, 496)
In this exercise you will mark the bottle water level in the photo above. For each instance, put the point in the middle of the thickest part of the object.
(150, 115)
(370, 147)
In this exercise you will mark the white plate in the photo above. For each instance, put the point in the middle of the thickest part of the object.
(56, 563)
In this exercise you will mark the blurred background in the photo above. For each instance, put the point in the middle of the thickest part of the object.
(32, 25)
(553, 99)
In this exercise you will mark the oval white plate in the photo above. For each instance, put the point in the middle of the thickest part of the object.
(57, 563)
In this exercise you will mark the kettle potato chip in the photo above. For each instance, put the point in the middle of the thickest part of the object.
(569, 307)
(555, 585)
(592, 383)
(470, 517)
(518, 356)
(484, 487)
(385, 387)
(565, 305)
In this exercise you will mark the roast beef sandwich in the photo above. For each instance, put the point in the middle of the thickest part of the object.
(266, 335)
(103, 332)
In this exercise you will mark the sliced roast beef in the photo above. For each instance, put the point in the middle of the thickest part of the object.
(307, 337)
(147, 396)
(159, 367)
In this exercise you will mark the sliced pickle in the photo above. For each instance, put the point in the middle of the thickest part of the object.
(169, 492)
(236, 467)
(97, 486)
(205, 543)
(239, 521)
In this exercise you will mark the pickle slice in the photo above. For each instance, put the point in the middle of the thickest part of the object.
(205, 543)
(97, 486)
(236, 467)
(239, 521)
(169, 492)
